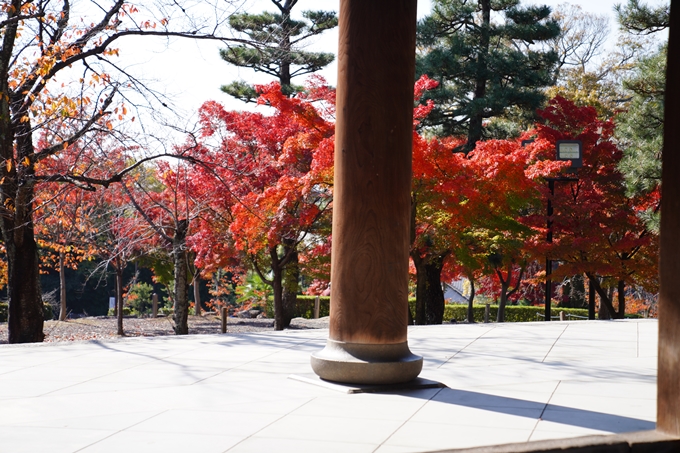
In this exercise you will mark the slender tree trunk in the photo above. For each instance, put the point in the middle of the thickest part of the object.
(500, 315)
(505, 294)
(471, 300)
(419, 263)
(621, 292)
(277, 286)
(181, 304)
(119, 295)
(62, 287)
(290, 283)
(197, 293)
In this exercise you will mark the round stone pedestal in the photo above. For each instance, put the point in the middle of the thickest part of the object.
(361, 363)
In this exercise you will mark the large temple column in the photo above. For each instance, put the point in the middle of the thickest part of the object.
(371, 202)
(668, 398)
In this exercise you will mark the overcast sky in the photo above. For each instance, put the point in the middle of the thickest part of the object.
(191, 72)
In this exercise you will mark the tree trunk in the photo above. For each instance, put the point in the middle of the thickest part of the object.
(277, 285)
(197, 294)
(25, 320)
(25, 311)
(62, 287)
(603, 312)
(500, 315)
(505, 294)
(119, 296)
(429, 293)
(605, 298)
(621, 292)
(420, 319)
(574, 292)
(290, 283)
(471, 300)
(181, 303)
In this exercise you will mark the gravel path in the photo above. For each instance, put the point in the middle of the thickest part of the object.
(104, 328)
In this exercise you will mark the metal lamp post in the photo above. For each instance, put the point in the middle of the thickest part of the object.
(566, 150)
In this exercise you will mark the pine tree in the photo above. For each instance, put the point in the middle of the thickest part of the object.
(640, 128)
(276, 48)
(484, 54)
(640, 18)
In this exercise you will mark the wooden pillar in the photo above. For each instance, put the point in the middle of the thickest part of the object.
(668, 397)
(371, 200)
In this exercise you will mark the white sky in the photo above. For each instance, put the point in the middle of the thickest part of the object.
(191, 72)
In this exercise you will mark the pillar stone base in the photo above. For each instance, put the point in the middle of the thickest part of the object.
(363, 363)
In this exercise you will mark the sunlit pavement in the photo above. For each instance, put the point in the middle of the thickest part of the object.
(505, 383)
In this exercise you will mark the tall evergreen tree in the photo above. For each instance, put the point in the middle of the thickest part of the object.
(486, 57)
(640, 128)
(277, 42)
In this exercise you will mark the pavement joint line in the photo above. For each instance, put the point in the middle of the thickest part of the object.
(120, 431)
(151, 360)
(253, 360)
(269, 424)
(540, 417)
(408, 419)
(465, 347)
(555, 342)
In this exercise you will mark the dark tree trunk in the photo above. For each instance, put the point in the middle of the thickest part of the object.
(574, 292)
(290, 283)
(277, 286)
(62, 287)
(429, 293)
(25, 320)
(179, 253)
(505, 294)
(119, 296)
(471, 300)
(603, 311)
(621, 292)
(606, 298)
(500, 315)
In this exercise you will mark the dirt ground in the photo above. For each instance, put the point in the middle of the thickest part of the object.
(105, 328)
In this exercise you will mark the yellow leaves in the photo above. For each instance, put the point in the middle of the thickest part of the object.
(26, 162)
(109, 126)
(164, 21)
(25, 119)
(8, 165)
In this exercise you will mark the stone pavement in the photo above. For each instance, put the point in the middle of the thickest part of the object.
(233, 393)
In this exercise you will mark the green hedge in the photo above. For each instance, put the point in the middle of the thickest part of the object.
(513, 313)
(47, 312)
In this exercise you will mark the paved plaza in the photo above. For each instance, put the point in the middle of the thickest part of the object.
(505, 383)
